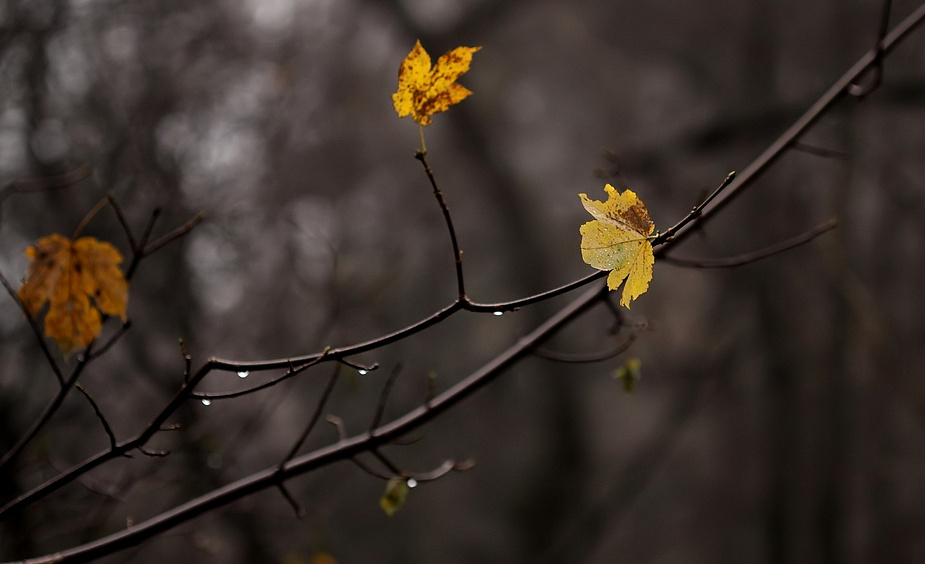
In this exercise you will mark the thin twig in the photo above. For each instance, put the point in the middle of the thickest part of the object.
(99, 414)
(149, 228)
(856, 89)
(587, 358)
(322, 401)
(514, 305)
(296, 506)
(457, 254)
(89, 217)
(442, 470)
(37, 331)
(395, 336)
(342, 436)
(770, 155)
(50, 410)
(120, 214)
(156, 425)
(408, 440)
(694, 213)
(342, 352)
(187, 361)
(173, 235)
(754, 256)
(434, 474)
(361, 368)
(138, 253)
(110, 491)
(413, 478)
(152, 453)
(370, 470)
(26, 185)
(123, 329)
(393, 468)
(339, 425)
(384, 396)
(820, 151)
(290, 372)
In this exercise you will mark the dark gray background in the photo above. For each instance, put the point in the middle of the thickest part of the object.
(781, 412)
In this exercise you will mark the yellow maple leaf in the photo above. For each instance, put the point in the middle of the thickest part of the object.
(67, 274)
(424, 91)
(618, 239)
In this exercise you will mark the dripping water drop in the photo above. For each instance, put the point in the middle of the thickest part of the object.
(498, 313)
(363, 371)
(411, 483)
(243, 374)
(206, 401)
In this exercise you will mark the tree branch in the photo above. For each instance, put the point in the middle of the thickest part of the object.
(340, 451)
(46, 415)
(754, 256)
(746, 177)
(386, 433)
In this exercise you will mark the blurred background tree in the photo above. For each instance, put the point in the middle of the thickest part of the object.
(780, 414)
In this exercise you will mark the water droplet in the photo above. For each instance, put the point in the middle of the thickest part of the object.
(363, 371)
(411, 483)
(206, 401)
(243, 374)
(498, 313)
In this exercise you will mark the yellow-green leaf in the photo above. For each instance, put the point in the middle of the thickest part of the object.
(629, 373)
(394, 497)
(66, 275)
(618, 240)
(424, 91)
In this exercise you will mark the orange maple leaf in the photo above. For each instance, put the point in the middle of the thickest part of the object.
(67, 274)
(424, 91)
